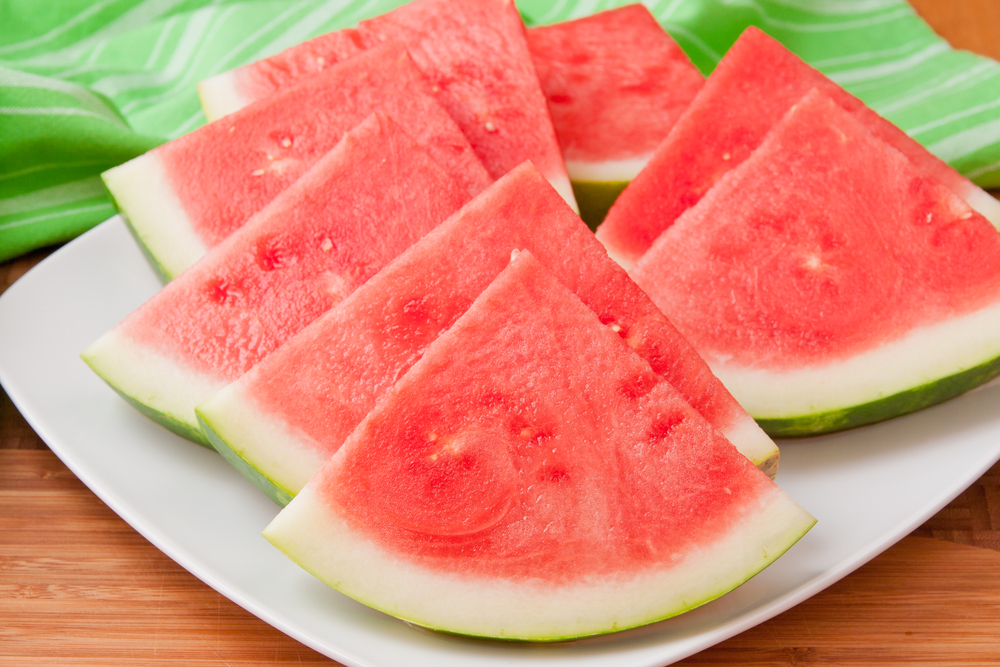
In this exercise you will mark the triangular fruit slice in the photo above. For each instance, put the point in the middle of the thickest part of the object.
(189, 194)
(473, 51)
(475, 54)
(751, 89)
(279, 423)
(615, 83)
(532, 478)
(230, 91)
(829, 282)
(360, 206)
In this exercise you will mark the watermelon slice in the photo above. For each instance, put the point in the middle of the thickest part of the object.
(230, 91)
(751, 89)
(189, 194)
(280, 422)
(361, 205)
(531, 478)
(615, 83)
(475, 55)
(829, 282)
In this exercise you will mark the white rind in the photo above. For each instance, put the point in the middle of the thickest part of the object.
(219, 96)
(150, 378)
(143, 193)
(924, 355)
(561, 184)
(288, 459)
(608, 171)
(317, 538)
(751, 441)
(983, 202)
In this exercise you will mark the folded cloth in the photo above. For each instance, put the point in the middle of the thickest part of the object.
(88, 84)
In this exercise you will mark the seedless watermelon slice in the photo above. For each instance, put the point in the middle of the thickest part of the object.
(230, 91)
(281, 421)
(615, 83)
(475, 54)
(532, 478)
(188, 195)
(473, 51)
(360, 206)
(829, 282)
(751, 89)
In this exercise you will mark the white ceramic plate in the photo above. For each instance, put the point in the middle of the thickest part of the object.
(868, 488)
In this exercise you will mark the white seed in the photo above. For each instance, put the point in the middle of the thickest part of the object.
(326, 245)
(232, 128)
(726, 156)
(616, 328)
(285, 143)
(431, 437)
(257, 172)
(321, 61)
(930, 216)
(490, 127)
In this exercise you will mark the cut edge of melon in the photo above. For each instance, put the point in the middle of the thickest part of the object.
(314, 536)
(925, 367)
(752, 442)
(606, 171)
(219, 96)
(983, 202)
(146, 200)
(561, 184)
(156, 386)
(245, 436)
(272, 490)
(896, 405)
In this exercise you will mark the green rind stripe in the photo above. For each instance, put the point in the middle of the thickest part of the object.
(161, 271)
(178, 426)
(595, 198)
(270, 489)
(889, 407)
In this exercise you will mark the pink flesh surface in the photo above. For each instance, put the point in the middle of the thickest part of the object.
(530, 443)
(324, 381)
(476, 57)
(368, 200)
(266, 77)
(751, 89)
(228, 170)
(615, 83)
(825, 243)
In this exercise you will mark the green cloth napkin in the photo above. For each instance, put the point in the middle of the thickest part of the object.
(88, 84)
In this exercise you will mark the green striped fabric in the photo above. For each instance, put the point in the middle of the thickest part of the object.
(87, 84)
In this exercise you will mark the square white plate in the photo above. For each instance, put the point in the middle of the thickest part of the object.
(867, 487)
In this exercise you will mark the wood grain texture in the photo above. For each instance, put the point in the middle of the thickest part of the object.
(79, 587)
(88, 590)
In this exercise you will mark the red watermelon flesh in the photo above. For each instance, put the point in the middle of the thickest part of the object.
(827, 249)
(218, 176)
(615, 83)
(359, 207)
(475, 54)
(751, 89)
(499, 490)
(289, 414)
(230, 91)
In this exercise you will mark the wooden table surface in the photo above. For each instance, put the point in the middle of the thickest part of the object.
(88, 590)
